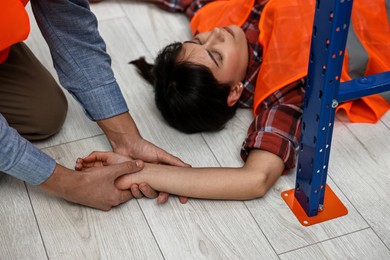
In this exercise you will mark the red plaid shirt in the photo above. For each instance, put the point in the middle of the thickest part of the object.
(277, 126)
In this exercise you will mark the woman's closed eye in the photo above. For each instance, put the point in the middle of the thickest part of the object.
(198, 40)
(217, 53)
(213, 53)
(220, 57)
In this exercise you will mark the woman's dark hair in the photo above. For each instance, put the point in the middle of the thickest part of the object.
(187, 94)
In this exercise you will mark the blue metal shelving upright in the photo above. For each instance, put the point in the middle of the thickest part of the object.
(323, 94)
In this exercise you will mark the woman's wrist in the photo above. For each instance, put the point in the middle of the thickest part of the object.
(145, 175)
(126, 181)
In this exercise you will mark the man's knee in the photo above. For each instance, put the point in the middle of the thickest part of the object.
(36, 117)
(30, 98)
(46, 119)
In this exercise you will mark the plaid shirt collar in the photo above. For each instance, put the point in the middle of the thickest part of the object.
(252, 32)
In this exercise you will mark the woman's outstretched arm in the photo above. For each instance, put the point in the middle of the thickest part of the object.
(250, 181)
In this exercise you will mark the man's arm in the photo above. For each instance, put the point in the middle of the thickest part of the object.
(93, 188)
(79, 56)
(22, 160)
(19, 158)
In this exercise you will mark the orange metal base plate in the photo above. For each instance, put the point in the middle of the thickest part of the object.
(333, 208)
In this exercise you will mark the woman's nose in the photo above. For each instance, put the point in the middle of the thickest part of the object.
(217, 34)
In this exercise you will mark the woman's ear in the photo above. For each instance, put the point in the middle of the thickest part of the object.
(235, 94)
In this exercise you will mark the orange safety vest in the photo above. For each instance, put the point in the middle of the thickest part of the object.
(285, 36)
(14, 25)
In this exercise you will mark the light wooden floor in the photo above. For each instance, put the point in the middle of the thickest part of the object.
(35, 225)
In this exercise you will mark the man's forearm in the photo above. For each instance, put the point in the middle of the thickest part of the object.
(60, 181)
(120, 129)
(19, 158)
(79, 56)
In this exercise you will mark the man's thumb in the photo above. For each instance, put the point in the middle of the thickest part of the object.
(128, 167)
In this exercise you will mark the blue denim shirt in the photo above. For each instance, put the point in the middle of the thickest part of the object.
(84, 69)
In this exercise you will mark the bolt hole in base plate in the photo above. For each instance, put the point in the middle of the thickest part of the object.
(333, 208)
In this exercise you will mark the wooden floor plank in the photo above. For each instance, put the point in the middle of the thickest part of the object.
(19, 233)
(226, 144)
(361, 169)
(156, 28)
(203, 229)
(107, 10)
(359, 245)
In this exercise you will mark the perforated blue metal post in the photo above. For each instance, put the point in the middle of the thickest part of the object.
(330, 30)
(323, 94)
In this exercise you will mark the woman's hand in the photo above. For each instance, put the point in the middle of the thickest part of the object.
(99, 159)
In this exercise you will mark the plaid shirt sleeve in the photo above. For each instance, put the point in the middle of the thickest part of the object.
(277, 127)
(189, 7)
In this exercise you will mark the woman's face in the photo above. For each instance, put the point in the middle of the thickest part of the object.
(223, 50)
